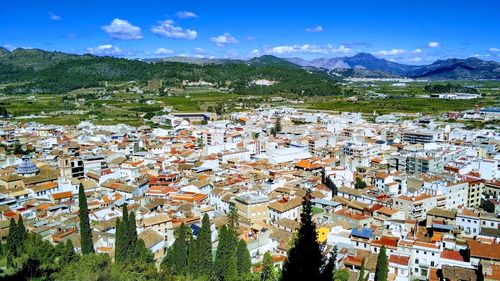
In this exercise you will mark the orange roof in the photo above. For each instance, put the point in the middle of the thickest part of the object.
(308, 165)
(401, 260)
(386, 241)
(484, 250)
(452, 255)
(62, 195)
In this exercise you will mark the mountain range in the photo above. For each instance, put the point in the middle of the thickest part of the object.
(458, 69)
(367, 65)
(359, 65)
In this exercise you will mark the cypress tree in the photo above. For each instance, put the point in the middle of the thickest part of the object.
(243, 259)
(141, 253)
(22, 234)
(221, 255)
(232, 269)
(382, 266)
(268, 273)
(204, 248)
(85, 231)
(193, 258)
(329, 267)
(69, 254)
(233, 216)
(176, 260)
(304, 258)
(12, 242)
(119, 253)
(361, 276)
(132, 235)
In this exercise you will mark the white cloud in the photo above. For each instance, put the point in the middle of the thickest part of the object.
(122, 29)
(186, 15)
(224, 39)
(200, 51)
(164, 51)
(106, 50)
(494, 50)
(433, 45)
(53, 16)
(402, 55)
(393, 52)
(318, 28)
(167, 28)
(307, 49)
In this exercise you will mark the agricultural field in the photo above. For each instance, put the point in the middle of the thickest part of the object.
(119, 106)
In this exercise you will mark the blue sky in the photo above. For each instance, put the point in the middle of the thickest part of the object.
(415, 32)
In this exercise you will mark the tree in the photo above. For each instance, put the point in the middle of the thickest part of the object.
(69, 254)
(12, 242)
(22, 234)
(341, 275)
(123, 237)
(277, 125)
(204, 245)
(382, 268)
(176, 260)
(304, 258)
(360, 184)
(85, 231)
(141, 253)
(243, 259)
(330, 266)
(361, 276)
(232, 269)
(193, 258)
(233, 215)
(132, 237)
(226, 253)
(268, 273)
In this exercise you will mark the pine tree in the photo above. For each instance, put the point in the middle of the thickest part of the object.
(382, 266)
(243, 259)
(268, 273)
(362, 271)
(119, 256)
(304, 258)
(204, 248)
(85, 231)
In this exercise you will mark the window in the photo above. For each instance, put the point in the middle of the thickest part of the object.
(416, 261)
(432, 262)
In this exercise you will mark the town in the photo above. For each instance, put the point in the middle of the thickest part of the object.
(423, 191)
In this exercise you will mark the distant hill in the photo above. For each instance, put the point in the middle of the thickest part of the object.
(3, 51)
(361, 60)
(34, 58)
(471, 68)
(268, 60)
(192, 60)
(53, 72)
